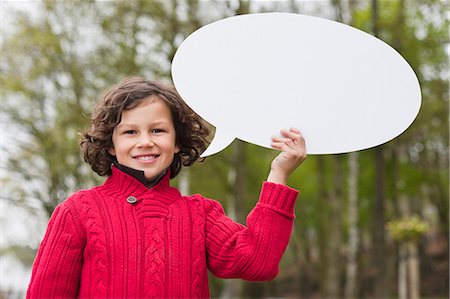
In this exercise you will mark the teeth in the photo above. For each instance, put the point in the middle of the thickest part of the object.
(146, 158)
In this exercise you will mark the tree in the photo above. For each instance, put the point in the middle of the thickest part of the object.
(56, 62)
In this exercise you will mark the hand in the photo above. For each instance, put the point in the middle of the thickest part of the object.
(293, 153)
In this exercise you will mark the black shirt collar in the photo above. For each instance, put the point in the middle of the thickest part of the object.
(140, 176)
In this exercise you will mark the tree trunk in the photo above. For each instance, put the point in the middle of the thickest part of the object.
(408, 272)
(379, 224)
(322, 235)
(409, 281)
(184, 181)
(332, 278)
(353, 242)
(402, 273)
(413, 270)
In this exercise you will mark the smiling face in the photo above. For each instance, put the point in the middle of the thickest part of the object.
(145, 138)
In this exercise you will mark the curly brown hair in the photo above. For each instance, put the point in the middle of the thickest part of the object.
(191, 131)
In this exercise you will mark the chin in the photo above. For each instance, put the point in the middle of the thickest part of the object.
(150, 176)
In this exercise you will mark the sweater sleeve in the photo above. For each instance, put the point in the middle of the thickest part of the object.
(251, 252)
(56, 269)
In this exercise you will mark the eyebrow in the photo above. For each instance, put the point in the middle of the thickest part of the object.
(156, 123)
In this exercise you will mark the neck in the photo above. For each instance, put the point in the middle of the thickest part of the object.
(140, 175)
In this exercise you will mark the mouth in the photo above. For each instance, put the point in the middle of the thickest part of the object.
(146, 158)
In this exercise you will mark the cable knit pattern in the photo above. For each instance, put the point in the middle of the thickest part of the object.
(199, 243)
(97, 237)
(154, 257)
(123, 240)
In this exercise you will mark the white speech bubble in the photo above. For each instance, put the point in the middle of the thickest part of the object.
(252, 75)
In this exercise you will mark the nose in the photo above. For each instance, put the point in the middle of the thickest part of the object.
(145, 141)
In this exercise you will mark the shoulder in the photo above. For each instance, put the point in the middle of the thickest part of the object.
(68, 214)
(208, 205)
(78, 199)
(80, 202)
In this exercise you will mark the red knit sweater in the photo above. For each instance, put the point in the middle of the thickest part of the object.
(99, 245)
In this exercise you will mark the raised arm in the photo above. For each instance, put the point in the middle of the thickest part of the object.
(254, 252)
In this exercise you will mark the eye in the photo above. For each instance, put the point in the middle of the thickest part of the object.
(129, 132)
(158, 130)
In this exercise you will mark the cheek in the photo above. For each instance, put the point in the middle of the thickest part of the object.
(112, 150)
(118, 145)
(175, 142)
(170, 146)
(175, 145)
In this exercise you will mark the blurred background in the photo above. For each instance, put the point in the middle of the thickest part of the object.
(370, 224)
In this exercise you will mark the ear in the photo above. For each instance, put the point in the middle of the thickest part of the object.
(112, 151)
(177, 149)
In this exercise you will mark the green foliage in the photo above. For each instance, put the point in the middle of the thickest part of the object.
(407, 229)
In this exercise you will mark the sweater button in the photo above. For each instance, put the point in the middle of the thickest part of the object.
(131, 199)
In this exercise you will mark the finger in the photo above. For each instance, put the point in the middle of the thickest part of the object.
(284, 148)
(295, 130)
(292, 138)
(297, 136)
(291, 134)
(276, 145)
(286, 141)
(297, 147)
(279, 146)
(282, 139)
(296, 141)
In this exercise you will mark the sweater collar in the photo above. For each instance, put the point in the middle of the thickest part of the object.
(140, 175)
(121, 185)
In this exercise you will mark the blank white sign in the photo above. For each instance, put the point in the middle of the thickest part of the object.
(252, 75)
